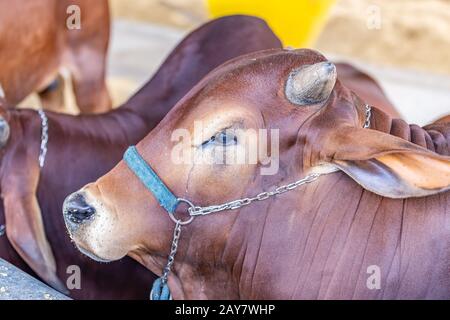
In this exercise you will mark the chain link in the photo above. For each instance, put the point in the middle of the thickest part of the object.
(368, 116)
(173, 251)
(44, 138)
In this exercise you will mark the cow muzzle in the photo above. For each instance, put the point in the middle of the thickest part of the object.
(91, 226)
(77, 211)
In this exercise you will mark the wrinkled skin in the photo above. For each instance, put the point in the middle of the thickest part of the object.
(35, 44)
(82, 148)
(386, 206)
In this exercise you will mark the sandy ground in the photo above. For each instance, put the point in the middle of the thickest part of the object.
(183, 14)
(405, 44)
(410, 33)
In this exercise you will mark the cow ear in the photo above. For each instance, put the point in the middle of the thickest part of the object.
(25, 231)
(387, 165)
(24, 224)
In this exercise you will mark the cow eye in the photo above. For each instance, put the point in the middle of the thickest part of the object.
(223, 138)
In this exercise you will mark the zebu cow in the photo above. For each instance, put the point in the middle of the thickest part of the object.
(36, 42)
(356, 192)
(98, 143)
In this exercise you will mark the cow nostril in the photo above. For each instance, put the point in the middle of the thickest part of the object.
(78, 215)
(77, 210)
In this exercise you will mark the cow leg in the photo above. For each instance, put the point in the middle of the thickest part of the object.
(52, 97)
(89, 84)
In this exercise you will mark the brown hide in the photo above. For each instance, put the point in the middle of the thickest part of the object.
(366, 87)
(35, 43)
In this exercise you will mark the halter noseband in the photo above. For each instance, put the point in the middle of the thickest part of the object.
(154, 184)
(150, 179)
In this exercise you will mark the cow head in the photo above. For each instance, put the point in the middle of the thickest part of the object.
(320, 129)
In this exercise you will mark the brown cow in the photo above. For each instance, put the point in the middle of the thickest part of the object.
(373, 202)
(35, 43)
(98, 143)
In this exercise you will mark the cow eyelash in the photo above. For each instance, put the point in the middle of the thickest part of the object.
(223, 138)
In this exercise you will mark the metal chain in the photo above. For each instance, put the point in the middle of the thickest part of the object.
(236, 204)
(44, 138)
(173, 251)
(2, 229)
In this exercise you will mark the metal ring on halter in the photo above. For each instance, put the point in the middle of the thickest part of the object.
(183, 223)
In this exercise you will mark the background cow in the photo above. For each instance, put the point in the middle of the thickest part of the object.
(36, 43)
(385, 208)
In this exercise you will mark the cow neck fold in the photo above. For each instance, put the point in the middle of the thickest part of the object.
(431, 137)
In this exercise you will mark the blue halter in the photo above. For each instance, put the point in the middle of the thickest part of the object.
(150, 179)
(165, 197)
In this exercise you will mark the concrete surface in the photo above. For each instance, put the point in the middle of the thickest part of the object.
(17, 285)
(137, 49)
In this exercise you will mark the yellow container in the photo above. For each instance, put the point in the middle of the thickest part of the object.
(297, 22)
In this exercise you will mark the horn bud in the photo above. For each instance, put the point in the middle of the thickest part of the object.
(311, 84)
